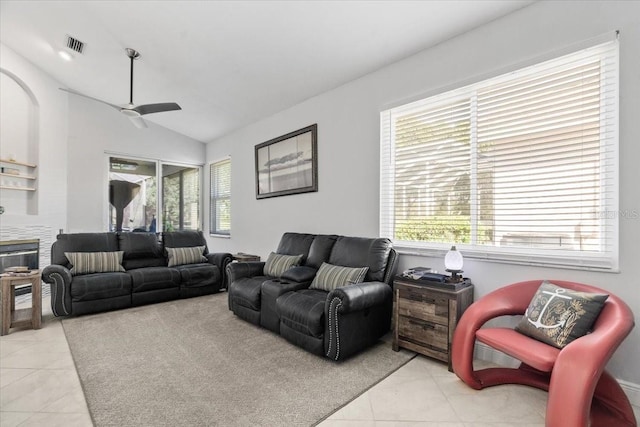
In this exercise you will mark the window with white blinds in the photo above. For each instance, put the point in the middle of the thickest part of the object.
(220, 207)
(518, 168)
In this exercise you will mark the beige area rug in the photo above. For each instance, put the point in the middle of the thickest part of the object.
(193, 363)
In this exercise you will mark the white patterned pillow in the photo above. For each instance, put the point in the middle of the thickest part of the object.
(330, 277)
(277, 264)
(94, 262)
(188, 255)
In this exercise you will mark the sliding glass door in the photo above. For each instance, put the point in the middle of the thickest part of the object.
(180, 198)
(152, 196)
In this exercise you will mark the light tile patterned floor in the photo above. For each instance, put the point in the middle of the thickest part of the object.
(39, 386)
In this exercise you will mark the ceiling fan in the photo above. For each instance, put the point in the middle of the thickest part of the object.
(134, 112)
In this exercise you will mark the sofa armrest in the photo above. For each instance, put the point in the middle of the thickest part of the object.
(357, 315)
(300, 274)
(221, 260)
(238, 270)
(59, 278)
(359, 296)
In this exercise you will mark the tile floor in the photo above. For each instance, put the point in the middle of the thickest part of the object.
(39, 386)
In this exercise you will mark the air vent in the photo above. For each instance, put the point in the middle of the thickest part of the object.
(75, 44)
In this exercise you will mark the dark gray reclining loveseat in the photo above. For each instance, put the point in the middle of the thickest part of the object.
(143, 276)
(331, 322)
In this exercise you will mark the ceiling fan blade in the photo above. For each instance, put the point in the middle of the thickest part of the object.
(156, 108)
(117, 107)
(138, 122)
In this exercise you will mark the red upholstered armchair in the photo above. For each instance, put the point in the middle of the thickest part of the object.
(581, 392)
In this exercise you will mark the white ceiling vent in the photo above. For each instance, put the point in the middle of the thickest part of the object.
(75, 44)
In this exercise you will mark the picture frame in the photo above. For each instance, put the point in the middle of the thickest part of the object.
(288, 164)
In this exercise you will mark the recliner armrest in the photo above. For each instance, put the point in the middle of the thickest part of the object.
(238, 270)
(220, 259)
(60, 279)
(300, 274)
(360, 296)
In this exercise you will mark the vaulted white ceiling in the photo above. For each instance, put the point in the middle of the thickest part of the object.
(229, 63)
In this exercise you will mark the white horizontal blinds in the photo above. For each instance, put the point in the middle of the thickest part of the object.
(220, 208)
(387, 171)
(522, 166)
(540, 137)
(432, 173)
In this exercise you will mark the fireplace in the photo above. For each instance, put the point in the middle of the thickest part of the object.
(14, 253)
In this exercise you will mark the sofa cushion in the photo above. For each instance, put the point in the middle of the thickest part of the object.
(277, 264)
(90, 287)
(295, 244)
(82, 242)
(330, 277)
(303, 311)
(300, 274)
(246, 291)
(197, 275)
(139, 245)
(154, 278)
(362, 252)
(131, 264)
(187, 255)
(320, 250)
(183, 239)
(94, 262)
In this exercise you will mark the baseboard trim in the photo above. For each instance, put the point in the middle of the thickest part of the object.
(486, 353)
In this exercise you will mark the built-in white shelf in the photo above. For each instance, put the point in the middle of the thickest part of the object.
(18, 176)
(7, 187)
(13, 162)
(21, 175)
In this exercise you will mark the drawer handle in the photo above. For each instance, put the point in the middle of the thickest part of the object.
(421, 298)
(422, 324)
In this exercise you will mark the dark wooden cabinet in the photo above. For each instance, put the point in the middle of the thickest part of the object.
(425, 316)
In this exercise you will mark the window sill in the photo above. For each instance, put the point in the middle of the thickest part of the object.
(220, 236)
(517, 257)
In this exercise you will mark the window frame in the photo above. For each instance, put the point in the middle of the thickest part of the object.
(605, 261)
(213, 229)
(161, 194)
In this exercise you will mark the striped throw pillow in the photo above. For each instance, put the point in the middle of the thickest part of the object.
(94, 262)
(188, 255)
(330, 277)
(277, 264)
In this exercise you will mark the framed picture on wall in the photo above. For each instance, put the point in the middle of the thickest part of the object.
(288, 164)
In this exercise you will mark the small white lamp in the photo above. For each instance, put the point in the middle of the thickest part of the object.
(453, 262)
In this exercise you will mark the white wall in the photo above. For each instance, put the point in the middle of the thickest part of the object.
(72, 135)
(348, 145)
(95, 128)
(50, 142)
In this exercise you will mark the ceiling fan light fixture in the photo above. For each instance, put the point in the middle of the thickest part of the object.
(131, 110)
(65, 55)
(130, 113)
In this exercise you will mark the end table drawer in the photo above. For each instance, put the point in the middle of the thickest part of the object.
(424, 333)
(434, 310)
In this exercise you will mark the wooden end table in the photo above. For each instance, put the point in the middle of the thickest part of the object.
(31, 316)
(425, 316)
(242, 257)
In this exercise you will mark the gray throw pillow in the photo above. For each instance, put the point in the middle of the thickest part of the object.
(557, 316)
(330, 277)
(277, 264)
(188, 255)
(94, 262)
